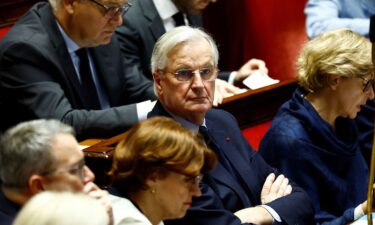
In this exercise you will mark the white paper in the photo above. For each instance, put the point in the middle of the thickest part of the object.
(258, 80)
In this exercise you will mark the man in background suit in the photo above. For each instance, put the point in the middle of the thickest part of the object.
(242, 188)
(42, 155)
(149, 19)
(42, 74)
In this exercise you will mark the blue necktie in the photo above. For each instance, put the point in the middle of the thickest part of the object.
(87, 82)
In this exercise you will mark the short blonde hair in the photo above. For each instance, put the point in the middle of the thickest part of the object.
(337, 53)
(160, 145)
(62, 208)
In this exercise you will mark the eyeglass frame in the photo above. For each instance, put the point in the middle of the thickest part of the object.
(368, 84)
(193, 180)
(192, 73)
(77, 170)
(121, 10)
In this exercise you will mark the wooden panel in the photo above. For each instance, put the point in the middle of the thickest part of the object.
(11, 10)
(260, 105)
(99, 157)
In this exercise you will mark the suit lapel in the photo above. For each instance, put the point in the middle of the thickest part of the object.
(158, 110)
(156, 25)
(239, 161)
(64, 61)
(221, 175)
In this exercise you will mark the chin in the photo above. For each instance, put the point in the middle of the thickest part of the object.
(200, 109)
(105, 41)
(181, 215)
(352, 115)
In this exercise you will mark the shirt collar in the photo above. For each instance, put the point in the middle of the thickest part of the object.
(165, 8)
(191, 126)
(70, 44)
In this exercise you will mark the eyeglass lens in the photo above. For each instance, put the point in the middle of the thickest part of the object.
(369, 84)
(206, 73)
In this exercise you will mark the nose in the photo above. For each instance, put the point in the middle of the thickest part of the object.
(116, 19)
(197, 81)
(195, 190)
(370, 93)
(88, 175)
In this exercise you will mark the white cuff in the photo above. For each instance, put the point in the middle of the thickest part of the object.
(272, 212)
(232, 76)
(143, 108)
(358, 212)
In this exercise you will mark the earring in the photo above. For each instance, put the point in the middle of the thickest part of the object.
(153, 191)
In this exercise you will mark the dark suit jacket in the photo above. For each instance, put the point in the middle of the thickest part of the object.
(38, 79)
(222, 193)
(8, 210)
(141, 29)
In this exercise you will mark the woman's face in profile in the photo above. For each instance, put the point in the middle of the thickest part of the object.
(174, 194)
(351, 95)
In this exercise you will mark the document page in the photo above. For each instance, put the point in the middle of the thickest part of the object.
(258, 80)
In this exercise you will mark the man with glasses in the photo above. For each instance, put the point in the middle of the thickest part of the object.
(149, 19)
(60, 60)
(42, 155)
(242, 188)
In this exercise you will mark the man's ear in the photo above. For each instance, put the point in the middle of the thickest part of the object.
(157, 81)
(68, 5)
(36, 184)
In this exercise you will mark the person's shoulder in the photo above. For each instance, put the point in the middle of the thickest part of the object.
(8, 210)
(219, 113)
(138, 11)
(29, 30)
(288, 125)
(125, 212)
(6, 219)
(221, 116)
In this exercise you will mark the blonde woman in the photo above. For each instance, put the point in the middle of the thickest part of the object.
(313, 139)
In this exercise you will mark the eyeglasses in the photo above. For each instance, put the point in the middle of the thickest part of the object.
(368, 84)
(76, 170)
(192, 180)
(186, 75)
(112, 11)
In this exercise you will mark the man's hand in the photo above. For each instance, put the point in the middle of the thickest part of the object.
(274, 189)
(224, 89)
(249, 68)
(102, 196)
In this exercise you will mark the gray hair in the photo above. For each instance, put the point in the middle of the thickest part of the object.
(26, 149)
(175, 37)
